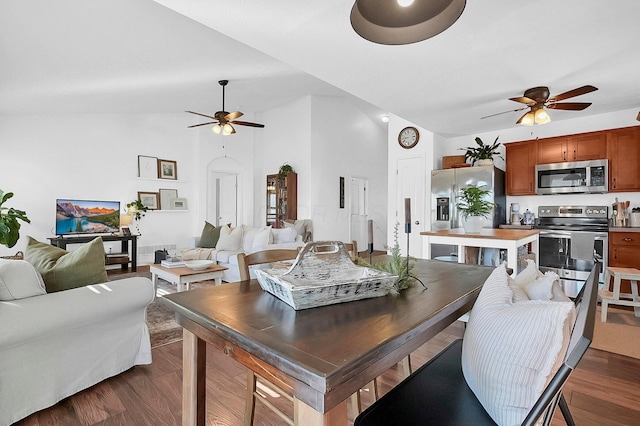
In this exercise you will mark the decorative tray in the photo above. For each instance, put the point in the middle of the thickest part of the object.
(324, 274)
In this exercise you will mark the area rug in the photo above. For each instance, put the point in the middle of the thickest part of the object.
(620, 334)
(160, 319)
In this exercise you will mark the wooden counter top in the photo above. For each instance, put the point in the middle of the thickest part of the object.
(485, 233)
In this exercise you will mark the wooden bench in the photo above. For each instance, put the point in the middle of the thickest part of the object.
(615, 297)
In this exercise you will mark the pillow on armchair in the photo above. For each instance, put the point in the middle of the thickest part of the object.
(512, 349)
(63, 270)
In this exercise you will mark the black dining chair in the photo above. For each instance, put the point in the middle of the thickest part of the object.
(437, 393)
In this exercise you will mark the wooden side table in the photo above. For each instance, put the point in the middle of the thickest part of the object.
(184, 276)
(614, 297)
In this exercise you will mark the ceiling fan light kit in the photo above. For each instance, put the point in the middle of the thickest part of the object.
(537, 99)
(403, 21)
(223, 119)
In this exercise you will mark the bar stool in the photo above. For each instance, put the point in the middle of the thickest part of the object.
(614, 297)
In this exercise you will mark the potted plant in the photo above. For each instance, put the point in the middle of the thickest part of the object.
(399, 265)
(285, 169)
(482, 154)
(137, 210)
(9, 225)
(474, 207)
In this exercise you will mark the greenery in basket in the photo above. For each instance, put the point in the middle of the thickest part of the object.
(482, 151)
(9, 225)
(471, 202)
(284, 170)
(398, 265)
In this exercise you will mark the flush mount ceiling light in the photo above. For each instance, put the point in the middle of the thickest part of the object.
(403, 21)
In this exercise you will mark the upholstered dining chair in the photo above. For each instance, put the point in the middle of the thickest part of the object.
(439, 392)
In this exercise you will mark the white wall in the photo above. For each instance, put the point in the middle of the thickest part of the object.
(618, 119)
(95, 156)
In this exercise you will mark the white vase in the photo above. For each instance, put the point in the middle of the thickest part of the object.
(485, 162)
(472, 224)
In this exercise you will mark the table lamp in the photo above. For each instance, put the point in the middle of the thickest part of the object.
(125, 221)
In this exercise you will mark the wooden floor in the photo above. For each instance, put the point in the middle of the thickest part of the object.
(604, 390)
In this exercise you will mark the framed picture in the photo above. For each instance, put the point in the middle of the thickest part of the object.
(167, 169)
(166, 195)
(179, 204)
(147, 167)
(150, 200)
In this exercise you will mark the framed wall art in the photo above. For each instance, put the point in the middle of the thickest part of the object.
(147, 167)
(150, 200)
(179, 204)
(166, 195)
(167, 169)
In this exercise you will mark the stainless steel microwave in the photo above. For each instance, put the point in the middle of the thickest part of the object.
(570, 178)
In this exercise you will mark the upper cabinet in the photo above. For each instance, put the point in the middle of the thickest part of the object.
(282, 199)
(623, 151)
(520, 167)
(586, 146)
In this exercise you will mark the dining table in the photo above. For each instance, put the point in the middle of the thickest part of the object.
(321, 355)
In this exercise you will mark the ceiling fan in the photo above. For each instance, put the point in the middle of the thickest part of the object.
(537, 99)
(223, 119)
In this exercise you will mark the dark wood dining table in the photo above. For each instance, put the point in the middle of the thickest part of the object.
(321, 355)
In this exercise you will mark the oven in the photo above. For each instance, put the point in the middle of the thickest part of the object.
(572, 240)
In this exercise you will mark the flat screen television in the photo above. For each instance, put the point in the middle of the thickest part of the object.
(87, 217)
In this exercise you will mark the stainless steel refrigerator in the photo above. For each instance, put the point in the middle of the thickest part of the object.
(445, 187)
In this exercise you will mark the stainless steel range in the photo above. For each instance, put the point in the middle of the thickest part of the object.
(572, 239)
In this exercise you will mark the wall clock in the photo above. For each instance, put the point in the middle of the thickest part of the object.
(408, 137)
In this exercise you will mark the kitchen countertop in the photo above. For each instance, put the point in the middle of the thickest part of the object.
(623, 229)
(486, 233)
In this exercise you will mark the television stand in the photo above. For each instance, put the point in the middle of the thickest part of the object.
(62, 242)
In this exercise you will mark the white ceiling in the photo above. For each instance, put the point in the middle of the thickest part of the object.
(138, 56)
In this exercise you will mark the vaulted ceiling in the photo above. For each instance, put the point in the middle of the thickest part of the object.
(167, 56)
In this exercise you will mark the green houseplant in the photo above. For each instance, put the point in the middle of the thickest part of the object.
(9, 225)
(284, 170)
(482, 151)
(136, 209)
(399, 265)
(474, 207)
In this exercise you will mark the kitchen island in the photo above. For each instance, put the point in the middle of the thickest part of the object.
(508, 239)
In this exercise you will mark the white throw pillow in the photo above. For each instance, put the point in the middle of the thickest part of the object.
(261, 239)
(540, 288)
(19, 279)
(281, 235)
(294, 231)
(511, 350)
(248, 235)
(230, 240)
(528, 274)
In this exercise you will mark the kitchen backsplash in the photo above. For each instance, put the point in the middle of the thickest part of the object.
(532, 202)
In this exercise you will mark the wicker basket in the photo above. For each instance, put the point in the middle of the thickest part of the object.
(18, 256)
(320, 277)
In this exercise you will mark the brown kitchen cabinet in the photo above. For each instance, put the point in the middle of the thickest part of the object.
(520, 167)
(623, 152)
(282, 199)
(581, 147)
(624, 252)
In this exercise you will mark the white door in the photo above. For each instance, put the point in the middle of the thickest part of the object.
(226, 199)
(411, 184)
(358, 207)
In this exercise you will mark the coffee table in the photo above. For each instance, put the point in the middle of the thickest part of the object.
(184, 276)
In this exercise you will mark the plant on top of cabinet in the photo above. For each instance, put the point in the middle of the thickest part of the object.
(284, 170)
(482, 152)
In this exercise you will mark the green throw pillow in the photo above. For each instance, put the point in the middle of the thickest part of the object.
(63, 270)
(210, 236)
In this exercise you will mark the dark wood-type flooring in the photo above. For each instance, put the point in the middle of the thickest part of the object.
(604, 390)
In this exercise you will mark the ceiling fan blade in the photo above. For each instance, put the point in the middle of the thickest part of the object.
(204, 115)
(504, 112)
(572, 93)
(523, 100)
(571, 106)
(233, 115)
(246, 123)
(203, 124)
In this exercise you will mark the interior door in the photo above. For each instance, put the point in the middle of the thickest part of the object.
(410, 184)
(358, 207)
(227, 199)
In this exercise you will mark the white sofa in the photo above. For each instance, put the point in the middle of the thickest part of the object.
(249, 240)
(54, 345)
